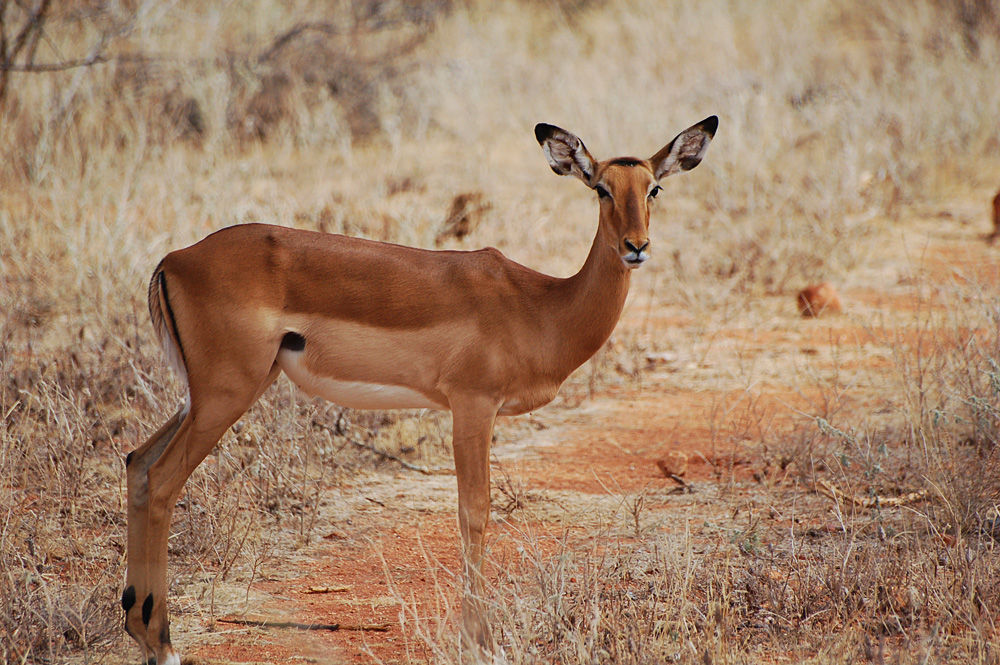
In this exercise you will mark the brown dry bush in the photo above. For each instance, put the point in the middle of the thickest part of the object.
(949, 389)
(880, 586)
(62, 544)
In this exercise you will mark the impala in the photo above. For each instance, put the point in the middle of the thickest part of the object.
(372, 325)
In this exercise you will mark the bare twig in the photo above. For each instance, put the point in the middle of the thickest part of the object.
(825, 488)
(328, 589)
(381, 453)
(677, 479)
(330, 30)
(34, 67)
(25, 46)
(32, 28)
(266, 623)
(282, 40)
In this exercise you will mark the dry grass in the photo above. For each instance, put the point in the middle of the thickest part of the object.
(840, 127)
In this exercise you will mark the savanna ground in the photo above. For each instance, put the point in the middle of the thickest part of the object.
(840, 501)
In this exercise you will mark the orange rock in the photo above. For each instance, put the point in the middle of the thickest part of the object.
(819, 299)
(674, 463)
(996, 217)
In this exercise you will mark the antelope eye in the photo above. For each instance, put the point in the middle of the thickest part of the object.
(602, 193)
(653, 192)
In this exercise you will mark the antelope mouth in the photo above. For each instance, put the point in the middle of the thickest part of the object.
(637, 253)
(633, 260)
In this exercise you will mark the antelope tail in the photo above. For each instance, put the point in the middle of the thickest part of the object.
(164, 322)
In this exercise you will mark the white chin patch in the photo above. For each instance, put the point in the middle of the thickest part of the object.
(633, 260)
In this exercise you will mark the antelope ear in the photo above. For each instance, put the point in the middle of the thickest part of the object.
(686, 150)
(566, 153)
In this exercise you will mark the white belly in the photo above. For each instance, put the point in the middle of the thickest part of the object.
(352, 394)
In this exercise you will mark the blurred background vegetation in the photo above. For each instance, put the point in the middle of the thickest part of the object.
(168, 120)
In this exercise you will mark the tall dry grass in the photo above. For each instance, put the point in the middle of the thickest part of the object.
(838, 123)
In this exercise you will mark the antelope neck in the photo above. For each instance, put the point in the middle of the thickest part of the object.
(591, 301)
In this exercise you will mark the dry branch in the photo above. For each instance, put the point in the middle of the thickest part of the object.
(40, 67)
(339, 431)
(825, 488)
(29, 33)
(267, 623)
(298, 29)
(25, 46)
(328, 589)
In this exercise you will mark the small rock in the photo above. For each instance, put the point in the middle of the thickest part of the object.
(818, 300)
(674, 463)
(996, 218)
(336, 534)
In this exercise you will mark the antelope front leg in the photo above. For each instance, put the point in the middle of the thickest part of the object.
(472, 431)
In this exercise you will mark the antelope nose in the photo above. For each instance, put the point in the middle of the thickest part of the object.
(638, 250)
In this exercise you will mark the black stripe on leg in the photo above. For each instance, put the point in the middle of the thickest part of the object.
(128, 459)
(293, 341)
(147, 609)
(128, 598)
